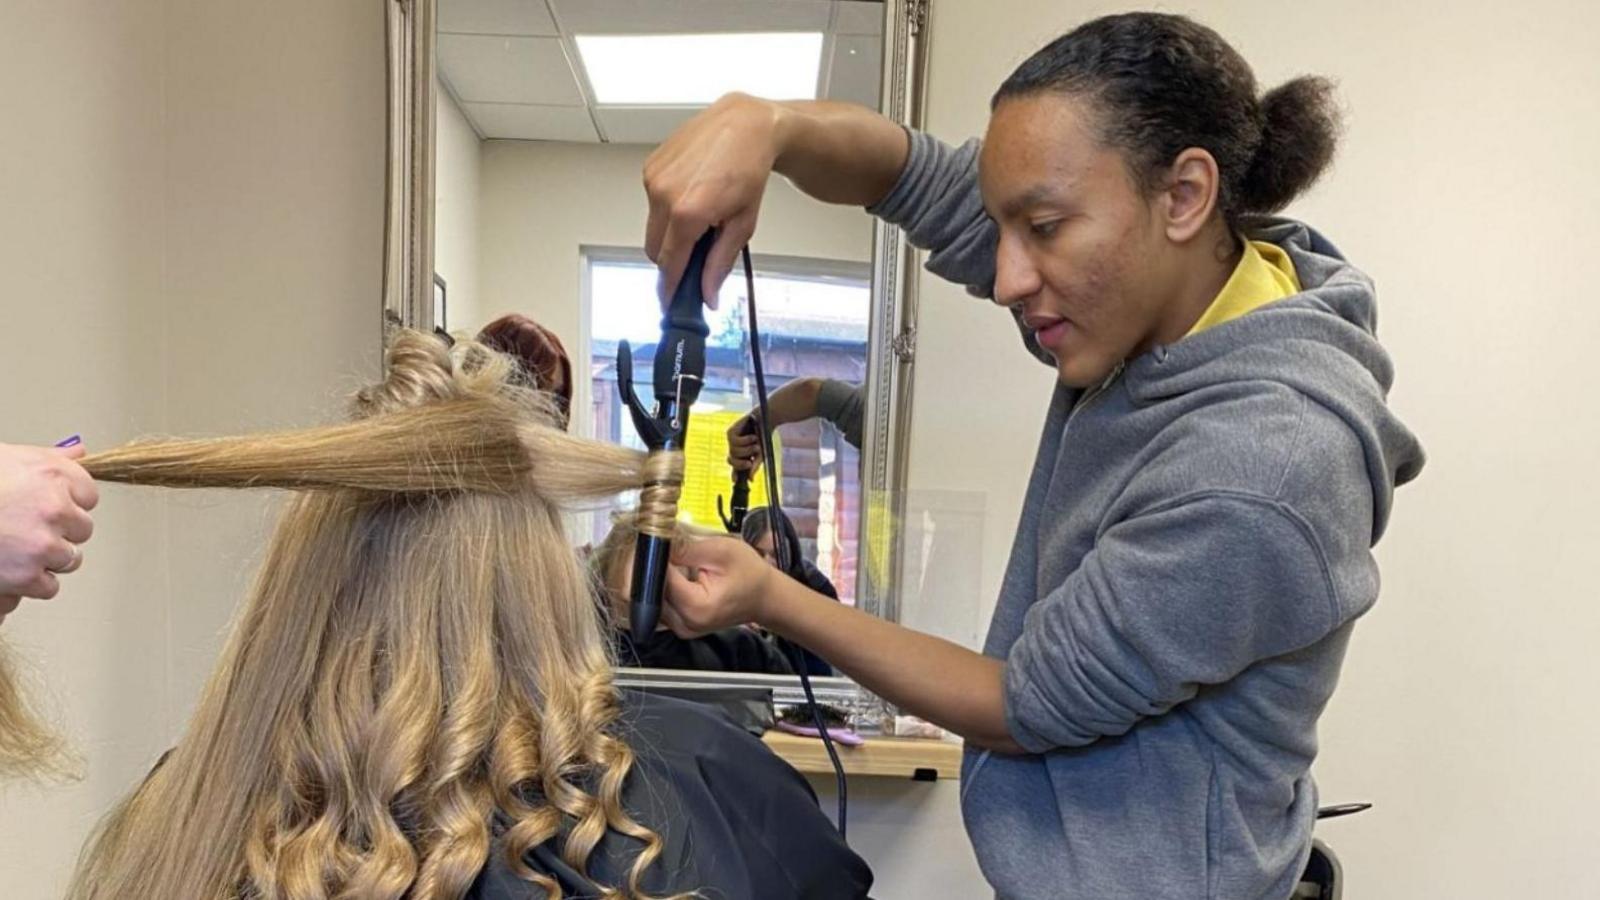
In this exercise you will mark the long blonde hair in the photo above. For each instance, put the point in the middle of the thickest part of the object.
(28, 746)
(612, 558)
(419, 651)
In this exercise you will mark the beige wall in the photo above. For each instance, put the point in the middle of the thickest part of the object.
(275, 141)
(1465, 189)
(191, 202)
(455, 206)
(82, 185)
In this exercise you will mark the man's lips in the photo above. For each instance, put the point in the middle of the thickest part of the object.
(1047, 330)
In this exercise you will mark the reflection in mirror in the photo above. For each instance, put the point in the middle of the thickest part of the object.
(546, 113)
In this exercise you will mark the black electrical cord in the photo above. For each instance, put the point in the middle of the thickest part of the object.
(778, 523)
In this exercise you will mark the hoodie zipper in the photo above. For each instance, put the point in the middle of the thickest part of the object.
(1090, 397)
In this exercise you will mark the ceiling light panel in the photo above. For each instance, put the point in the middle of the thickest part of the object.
(696, 69)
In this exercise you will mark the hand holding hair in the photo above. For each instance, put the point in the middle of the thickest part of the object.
(45, 499)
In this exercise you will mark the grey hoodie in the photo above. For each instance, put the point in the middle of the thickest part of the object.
(1194, 548)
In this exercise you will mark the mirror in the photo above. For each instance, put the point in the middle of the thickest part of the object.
(520, 131)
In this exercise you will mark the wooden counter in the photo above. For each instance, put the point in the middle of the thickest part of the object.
(919, 759)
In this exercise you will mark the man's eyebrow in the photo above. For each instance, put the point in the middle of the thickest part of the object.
(1039, 193)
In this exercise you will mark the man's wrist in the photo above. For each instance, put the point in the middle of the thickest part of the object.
(788, 124)
(779, 602)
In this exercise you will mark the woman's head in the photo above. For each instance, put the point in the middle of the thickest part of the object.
(419, 651)
(758, 532)
(539, 355)
(1120, 162)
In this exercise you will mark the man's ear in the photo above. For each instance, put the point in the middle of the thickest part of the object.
(1189, 196)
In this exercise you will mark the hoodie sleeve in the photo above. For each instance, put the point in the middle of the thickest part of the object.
(844, 405)
(936, 203)
(1182, 596)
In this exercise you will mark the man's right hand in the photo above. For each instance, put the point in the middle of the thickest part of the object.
(711, 172)
(744, 444)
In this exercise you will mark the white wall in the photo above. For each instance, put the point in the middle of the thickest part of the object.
(191, 207)
(1465, 188)
(455, 205)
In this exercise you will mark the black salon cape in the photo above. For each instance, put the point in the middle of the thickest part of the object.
(729, 650)
(737, 822)
(734, 649)
(813, 578)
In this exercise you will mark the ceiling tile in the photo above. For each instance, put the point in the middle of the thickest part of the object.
(642, 125)
(690, 16)
(487, 69)
(857, 69)
(520, 122)
(524, 17)
(855, 17)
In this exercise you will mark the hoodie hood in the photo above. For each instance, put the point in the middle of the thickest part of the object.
(1321, 342)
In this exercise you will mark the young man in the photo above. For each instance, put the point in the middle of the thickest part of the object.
(1216, 463)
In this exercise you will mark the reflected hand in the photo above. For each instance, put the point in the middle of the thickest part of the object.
(744, 444)
(726, 585)
(710, 172)
(45, 498)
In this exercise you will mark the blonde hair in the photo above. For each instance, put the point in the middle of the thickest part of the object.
(606, 561)
(610, 558)
(28, 747)
(419, 651)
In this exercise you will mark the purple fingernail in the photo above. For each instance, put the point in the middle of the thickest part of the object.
(73, 441)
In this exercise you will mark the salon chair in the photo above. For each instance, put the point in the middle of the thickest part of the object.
(1324, 876)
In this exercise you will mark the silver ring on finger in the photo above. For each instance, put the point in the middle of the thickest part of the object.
(72, 564)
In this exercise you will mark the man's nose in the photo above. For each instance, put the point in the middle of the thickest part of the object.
(1016, 278)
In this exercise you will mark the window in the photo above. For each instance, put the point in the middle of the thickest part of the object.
(813, 316)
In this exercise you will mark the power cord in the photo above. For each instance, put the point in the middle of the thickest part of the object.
(779, 524)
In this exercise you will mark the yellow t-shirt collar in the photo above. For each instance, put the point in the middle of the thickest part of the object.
(1264, 274)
